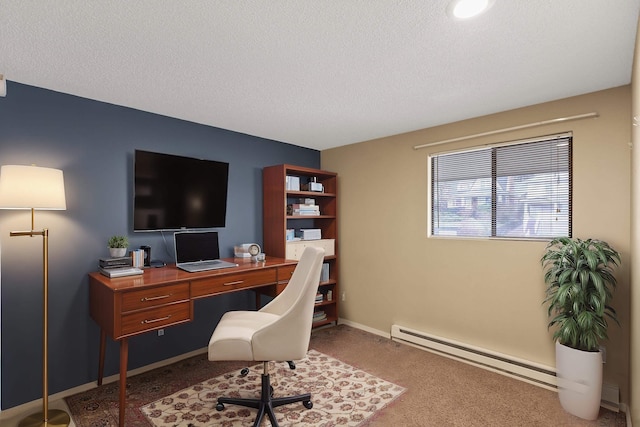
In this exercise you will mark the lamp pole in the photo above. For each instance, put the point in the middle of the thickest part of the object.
(53, 417)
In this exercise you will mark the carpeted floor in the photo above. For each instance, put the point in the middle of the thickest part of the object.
(439, 391)
(445, 392)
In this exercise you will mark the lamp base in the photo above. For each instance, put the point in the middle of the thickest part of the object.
(57, 417)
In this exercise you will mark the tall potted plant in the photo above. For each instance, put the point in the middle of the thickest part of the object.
(579, 287)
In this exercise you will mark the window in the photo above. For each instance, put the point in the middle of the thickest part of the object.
(515, 190)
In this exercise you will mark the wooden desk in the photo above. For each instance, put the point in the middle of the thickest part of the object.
(163, 297)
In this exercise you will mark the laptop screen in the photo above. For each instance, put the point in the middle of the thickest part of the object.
(191, 246)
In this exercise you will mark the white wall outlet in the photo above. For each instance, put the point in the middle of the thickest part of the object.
(344, 296)
(160, 332)
(603, 352)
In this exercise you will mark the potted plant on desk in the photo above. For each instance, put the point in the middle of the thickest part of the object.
(579, 288)
(118, 246)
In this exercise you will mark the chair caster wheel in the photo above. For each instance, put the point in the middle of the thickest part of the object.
(308, 404)
(271, 391)
(244, 372)
(219, 407)
(291, 365)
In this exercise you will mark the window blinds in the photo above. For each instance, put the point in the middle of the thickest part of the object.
(517, 190)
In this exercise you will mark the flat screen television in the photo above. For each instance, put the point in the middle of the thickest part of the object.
(175, 192)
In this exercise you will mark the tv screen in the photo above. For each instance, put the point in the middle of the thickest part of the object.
(174, 192)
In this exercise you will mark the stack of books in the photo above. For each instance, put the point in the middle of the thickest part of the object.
(118, 267)
(306, 207)
(319, 298)
(137, 257)
(319, 316)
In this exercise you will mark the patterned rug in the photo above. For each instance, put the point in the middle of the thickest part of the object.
(184, 394)
(341, 395)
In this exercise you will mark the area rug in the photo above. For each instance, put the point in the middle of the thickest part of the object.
(341, 395)
(185, 393)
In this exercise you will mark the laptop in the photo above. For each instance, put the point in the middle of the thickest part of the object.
(198, 251)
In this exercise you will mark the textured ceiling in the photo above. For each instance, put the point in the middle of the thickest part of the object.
(313, 73)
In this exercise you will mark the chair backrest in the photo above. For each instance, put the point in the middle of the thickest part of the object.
(287, 338)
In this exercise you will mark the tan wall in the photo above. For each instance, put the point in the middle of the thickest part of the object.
(487, 293)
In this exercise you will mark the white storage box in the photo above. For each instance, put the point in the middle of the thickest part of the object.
(309, 234)
(294, 249)
(293, 183)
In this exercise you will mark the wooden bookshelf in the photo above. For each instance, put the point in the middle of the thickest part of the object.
(276, 197)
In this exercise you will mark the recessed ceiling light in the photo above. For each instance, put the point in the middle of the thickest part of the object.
(465, 9)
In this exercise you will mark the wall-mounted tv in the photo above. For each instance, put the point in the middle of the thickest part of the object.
(175, 192)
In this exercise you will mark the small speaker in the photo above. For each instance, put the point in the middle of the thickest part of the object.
(147, 255)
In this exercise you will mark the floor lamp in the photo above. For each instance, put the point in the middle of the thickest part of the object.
(32, 187)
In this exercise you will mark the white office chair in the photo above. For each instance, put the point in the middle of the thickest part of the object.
(280, 331)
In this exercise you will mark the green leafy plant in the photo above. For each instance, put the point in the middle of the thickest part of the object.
(118, 242)
(579, 287)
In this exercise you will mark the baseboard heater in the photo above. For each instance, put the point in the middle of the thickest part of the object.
(527, 371)
(524, 370)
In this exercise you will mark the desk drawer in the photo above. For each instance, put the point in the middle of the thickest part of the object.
(285, 273)
(147, 320)
(145, 298)
(231, 282)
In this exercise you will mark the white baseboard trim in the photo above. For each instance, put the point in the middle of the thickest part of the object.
(36, 405)
(627, 412)
(364, 328)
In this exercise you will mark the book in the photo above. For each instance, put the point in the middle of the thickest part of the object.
(319, 316)
(113, 272)
(306, 213)
(324, 273)
(115, 262)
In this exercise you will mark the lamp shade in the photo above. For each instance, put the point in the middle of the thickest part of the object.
(31, 187)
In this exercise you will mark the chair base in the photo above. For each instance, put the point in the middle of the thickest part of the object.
(266, 403)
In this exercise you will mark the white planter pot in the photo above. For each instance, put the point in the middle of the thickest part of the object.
(117, 252)
(579, 376)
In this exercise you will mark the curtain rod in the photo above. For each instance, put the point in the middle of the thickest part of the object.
(493, 132)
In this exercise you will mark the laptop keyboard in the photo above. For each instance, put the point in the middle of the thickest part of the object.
(205, 265)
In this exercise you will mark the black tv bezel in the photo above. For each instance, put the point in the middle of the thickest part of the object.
(185, 225)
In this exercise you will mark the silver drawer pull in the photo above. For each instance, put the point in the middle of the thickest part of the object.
(156, 320)
(237, 282)
(155, 298)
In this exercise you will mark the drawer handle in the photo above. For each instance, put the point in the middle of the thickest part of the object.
(155, 298)
(156, 320)
(237, 282)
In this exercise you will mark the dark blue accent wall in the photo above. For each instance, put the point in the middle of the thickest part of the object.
(93, 143)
